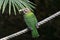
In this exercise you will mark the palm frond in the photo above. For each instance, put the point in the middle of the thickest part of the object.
(1, 3)
(14, 7)
(4, 5)
(9, 7)
(19, 4)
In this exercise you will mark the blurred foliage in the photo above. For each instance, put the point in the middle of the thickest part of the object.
(15, 4)
(48, 31)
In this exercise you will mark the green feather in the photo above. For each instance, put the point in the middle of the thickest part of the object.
(31, 22)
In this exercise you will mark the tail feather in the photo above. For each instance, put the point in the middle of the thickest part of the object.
(35, 34)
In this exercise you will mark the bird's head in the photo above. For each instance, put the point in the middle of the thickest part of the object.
(24, 11)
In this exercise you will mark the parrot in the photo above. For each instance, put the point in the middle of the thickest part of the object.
(31, 21)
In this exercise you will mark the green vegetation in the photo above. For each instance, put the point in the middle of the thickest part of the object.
(15, 4)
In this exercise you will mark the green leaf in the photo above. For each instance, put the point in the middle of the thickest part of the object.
(14, 8)
(17, 7)
(19, 4)
(31, 3)
(1, 3)
(9, 7)
(4, 5)
(26, 4)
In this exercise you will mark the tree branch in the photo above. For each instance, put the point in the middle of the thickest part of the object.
(26, 30)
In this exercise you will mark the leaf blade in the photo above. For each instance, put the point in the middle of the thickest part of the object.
(14, 7)
(4, 5)
(9, 7)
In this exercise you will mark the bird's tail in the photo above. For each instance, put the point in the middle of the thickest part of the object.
(35, 33)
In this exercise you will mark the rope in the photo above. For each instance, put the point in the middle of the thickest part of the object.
(26, 30)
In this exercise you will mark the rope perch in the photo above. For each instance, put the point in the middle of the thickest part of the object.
(26, 30)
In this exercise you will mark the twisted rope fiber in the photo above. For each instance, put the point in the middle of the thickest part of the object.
(26, 30)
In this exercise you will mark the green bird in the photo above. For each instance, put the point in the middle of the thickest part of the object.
(31, 21)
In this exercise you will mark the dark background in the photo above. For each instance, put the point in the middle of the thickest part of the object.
(48, 31)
